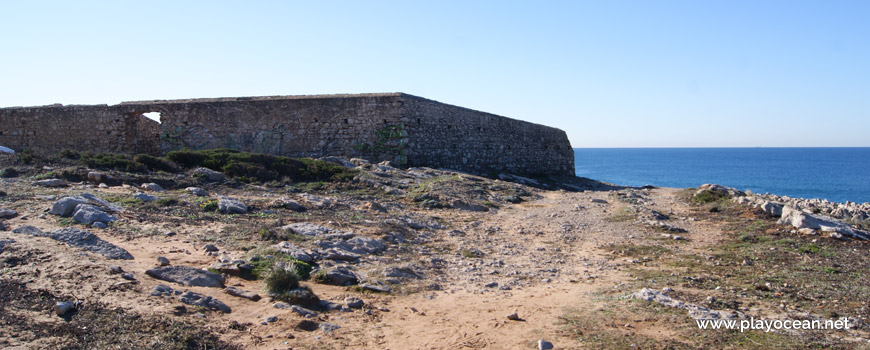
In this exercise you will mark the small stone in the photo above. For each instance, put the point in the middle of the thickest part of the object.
(99, 225)
(61, 308)
(128, 276)
(327, 327)
(513, 317)
(7, 213)
(115, 269)
(271, 319)
(354, 303)
(544, 345)
(210, 248)
(303, 311)
(491, 285)
(162, 261)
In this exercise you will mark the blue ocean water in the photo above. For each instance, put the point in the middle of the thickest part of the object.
(835, 174)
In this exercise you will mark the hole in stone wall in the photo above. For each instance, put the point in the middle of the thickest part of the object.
(155, 116)
(345, 121)
(450, 126)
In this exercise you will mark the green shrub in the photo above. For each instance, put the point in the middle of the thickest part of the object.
(299, 296)
(281, 279)
(261, 167)
(209, 205)
(154, 163)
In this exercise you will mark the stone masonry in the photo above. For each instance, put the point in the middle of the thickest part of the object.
(402, 128)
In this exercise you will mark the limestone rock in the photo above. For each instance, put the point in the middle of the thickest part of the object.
(306, 229)
(238, 292)
(294, 251)
(88, 214)
(288, 203)
(208, 175)
(49, 183)
(66, 206)
(187, 276)
(196, 191)
(29, 230)
(800, 219)
(197, 299)
(303, 311)
(153, 187)
(354, 303)
(771, 208)
(229, 205)
(162, 261)
(341, 276)
(8, 213)
(144, 197)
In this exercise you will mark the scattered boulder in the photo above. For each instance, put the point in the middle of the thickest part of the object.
(375, 288)
(800, 219)
(153, 187)
(81, 239)
(187, 276)
(2, 226)
(4, 149)
(306, 229)
(8, 213)
(771, 208)
(365, 245)
(338, 254)
(288, 203)
(319, 202)
(328, 327)
(241, 293)
(303, 311)
(208, 175)
(88, 214)
(340, 276)
(513, 316)
(354, 303)
(29, 230)
(162, 261)
(407, 272)
(144, 197)
(197, 299)
(294, 251)
(196, 191)
(49, 183)
(695, 311)
(66, 206)
(599, 201)
(210, 248)
(229, 205)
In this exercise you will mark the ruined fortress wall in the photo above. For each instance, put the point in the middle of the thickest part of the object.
(295, 127)
(442, 135)
(96, 128)
(406, 129)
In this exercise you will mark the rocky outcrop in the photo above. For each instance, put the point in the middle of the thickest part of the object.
(800, 219)
(187, 276)
(81, 239)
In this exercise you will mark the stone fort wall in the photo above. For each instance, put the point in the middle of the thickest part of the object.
(406, 129)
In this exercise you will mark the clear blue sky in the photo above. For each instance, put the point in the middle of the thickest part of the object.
(609, 73)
